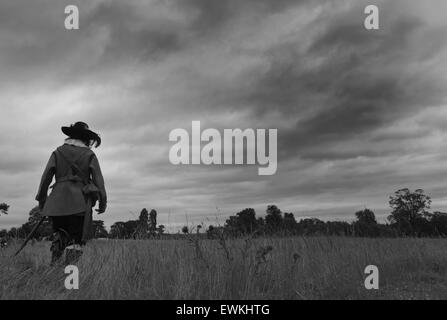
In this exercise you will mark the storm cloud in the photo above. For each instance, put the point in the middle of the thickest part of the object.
(359, 113)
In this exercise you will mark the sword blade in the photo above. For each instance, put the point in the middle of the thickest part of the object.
(30, 235)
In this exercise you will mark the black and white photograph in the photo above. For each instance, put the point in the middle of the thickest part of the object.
(223, 154)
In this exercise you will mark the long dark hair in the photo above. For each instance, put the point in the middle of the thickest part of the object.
(90, 140)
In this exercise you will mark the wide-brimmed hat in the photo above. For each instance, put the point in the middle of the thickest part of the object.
(80, 130)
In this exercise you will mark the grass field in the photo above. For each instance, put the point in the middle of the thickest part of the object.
(283, 268)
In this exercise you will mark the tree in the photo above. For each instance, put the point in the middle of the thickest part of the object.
(124, 230)
(311, 226)
(143, 224)
(409, 210)
(366, 224)
(34, 215)
(438, 223)
(12, 233)
(99, 231)
(338, 228)
(117, 230)
(244, 222)
(289, 223)
(366, 216)
(130, 229)
(273, 219)
(44, 230)
(260, 225)
(215, 232)
(185, 229)
(161, 229)
(247, 220)
(153, 222)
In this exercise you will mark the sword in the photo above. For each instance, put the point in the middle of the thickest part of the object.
(30, 235)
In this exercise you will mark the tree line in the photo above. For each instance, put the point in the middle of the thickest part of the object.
(409, 216)
(143, 228)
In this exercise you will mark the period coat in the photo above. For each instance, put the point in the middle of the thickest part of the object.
(67, 197)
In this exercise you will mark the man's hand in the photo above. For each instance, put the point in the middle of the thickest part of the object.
(101, 209)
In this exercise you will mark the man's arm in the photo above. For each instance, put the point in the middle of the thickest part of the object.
(45, 181)
(98, 180)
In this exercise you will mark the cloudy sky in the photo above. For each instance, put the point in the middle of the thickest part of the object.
(359, 113)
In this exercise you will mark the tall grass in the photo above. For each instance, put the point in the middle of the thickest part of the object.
(281, 268)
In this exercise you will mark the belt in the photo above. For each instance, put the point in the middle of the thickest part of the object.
(67, 178)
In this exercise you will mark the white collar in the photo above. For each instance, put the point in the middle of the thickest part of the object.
(75, 142)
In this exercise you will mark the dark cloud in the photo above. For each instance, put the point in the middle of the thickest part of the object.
(130, 36)
(360, 93)
(213, 15)
(359, 113)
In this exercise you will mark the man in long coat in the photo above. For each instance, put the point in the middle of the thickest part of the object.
(78, 185)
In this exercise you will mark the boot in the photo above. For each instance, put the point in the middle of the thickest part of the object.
(72, 254)
(57, 247)
(60, 241)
